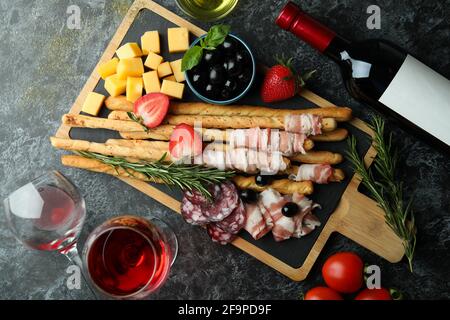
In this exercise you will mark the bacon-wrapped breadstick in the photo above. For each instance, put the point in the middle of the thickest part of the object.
(283, 186)
(317, 173)
(318, 157)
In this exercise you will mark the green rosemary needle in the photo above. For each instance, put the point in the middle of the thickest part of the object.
(386, 191)
(186, 177)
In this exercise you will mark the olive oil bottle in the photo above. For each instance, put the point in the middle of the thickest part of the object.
(207, 10)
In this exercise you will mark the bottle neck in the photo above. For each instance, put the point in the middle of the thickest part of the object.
(305, 27)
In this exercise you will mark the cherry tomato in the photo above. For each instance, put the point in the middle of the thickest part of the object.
(185, 142)
(152, 108)
(343, 272)
(322, 293)
(374, 294)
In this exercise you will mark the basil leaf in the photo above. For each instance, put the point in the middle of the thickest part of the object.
(216, 35)
(191, 58)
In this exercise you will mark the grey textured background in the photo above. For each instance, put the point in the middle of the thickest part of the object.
(44, 66)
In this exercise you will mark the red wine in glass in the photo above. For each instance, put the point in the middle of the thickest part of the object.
(129, 257)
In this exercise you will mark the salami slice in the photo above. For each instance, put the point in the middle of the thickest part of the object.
(235, 221)
(224, 204)
(192, 213)
(196, 197)
(219, 235)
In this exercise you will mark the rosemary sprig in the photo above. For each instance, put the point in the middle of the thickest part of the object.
(186, 177)
(386, 191)
(137, 119)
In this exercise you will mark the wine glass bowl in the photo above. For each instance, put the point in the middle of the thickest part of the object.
(129, 257)
(47, 213)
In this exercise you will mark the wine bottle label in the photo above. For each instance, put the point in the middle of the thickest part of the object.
(422, 96)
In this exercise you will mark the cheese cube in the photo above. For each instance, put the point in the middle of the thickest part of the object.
(129, 50)
(176, 68)
(115, 85)
(153, 61)
(108, 68)
(172, 89)
(178, 39)
(164, 69)
(150, 42)
(132, 67)
(93, 103)
(171, 78)
(134, 89)
(151, 82)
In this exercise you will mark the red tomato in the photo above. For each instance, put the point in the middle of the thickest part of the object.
(322, 293)
(152, 108)
(185, 142)
(343, 272)
(374, 294)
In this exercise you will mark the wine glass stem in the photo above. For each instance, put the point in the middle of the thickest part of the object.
(71, 253)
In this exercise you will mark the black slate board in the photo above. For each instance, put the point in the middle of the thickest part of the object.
(293, 251)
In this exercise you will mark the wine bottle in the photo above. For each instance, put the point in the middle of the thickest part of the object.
(382, 75)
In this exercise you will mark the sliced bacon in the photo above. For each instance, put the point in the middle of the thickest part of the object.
(256, 223)
(286, 227)
(317, 173)
(306, 124)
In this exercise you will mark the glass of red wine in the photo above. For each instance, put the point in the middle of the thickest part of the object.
(47, 214)
(129, 257)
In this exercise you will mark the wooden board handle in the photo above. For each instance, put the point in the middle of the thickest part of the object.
(363, 222)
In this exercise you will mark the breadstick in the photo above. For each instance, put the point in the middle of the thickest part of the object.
(94, 165)
(337, 176)
(334, 136)
(318, 157)
(283, 186)
(81, 121)
(161, 145)
(204, 109)
(142, 153)
(119, 103)
(227, 122)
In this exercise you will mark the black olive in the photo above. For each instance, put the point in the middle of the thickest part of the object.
(212, 56)
(212, 91)
(290, 209)
(229, 46)
(242, 57)
(225, 94)
(232, 67)
(216, 74)
(230, 85)
(198, 78)
(248, 196)
(244, 77)
(263, 180)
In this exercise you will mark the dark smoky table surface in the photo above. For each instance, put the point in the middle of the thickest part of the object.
(44, 65)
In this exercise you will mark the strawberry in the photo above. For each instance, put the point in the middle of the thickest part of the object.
(281, 82)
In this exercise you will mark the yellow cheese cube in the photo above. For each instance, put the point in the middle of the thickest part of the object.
(151, 82)
(132, 67)
(164, 69)
(108, 68)
(93, 103)
(153, 61)
(176, 68)
(171, 78)
(178, 39)
(115, 85)
(134, 89)
(172, 89)
(150, 42)
(129, 50)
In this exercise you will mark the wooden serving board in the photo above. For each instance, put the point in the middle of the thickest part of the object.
(344, 208)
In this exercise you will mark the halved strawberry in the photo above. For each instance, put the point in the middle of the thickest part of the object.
(185, 142)
(152, 108)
